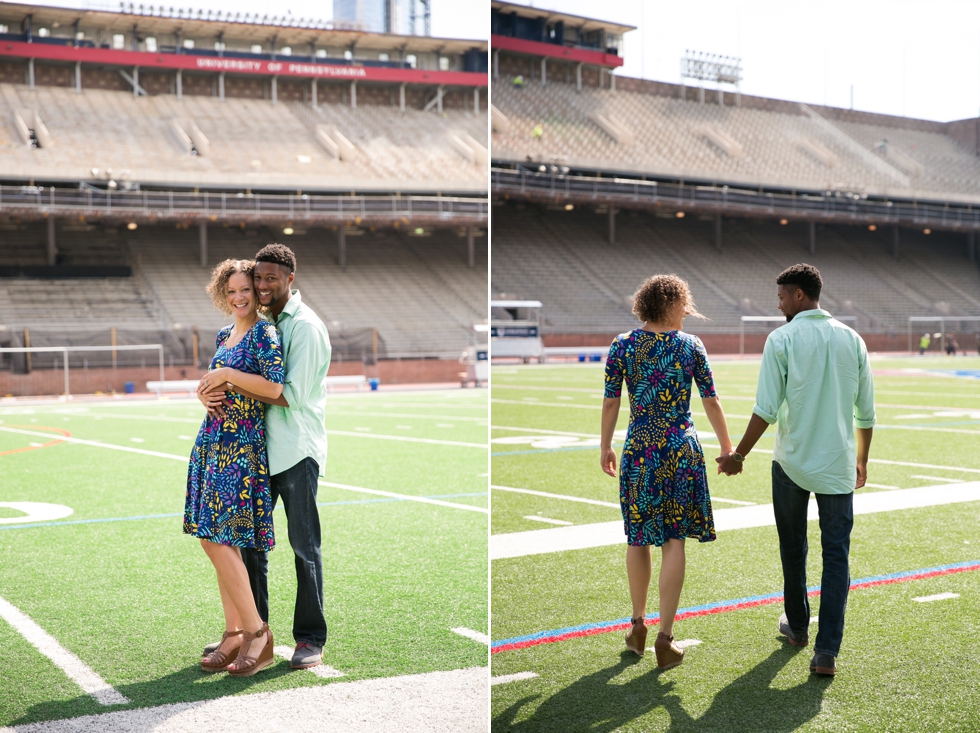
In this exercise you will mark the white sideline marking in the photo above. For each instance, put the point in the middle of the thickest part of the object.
(322, 670)
(408, 497)
(36, 511)
(882, 486)
(685, 643)
(97, 444)
(503, 679)
(454, 700)
(137, 440)
(939, 478)
(409, 415)
(403, 438)
(814, 619)
(733, 501)
(549, 521)
(565, 497)
(937, 597)
(80, 673)
(470, 634)
(603, 534)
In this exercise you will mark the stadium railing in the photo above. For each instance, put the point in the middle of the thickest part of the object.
(65, 350)
(52, 200)
(827, 206)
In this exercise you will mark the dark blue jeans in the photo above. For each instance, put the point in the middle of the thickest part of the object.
(297, 487)
(836, 513)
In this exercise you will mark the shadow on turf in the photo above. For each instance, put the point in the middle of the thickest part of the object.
(189, 685)
(596, 704)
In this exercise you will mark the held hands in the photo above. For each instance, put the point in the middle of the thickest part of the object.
(727, 463)
(211, 392)
(607, 460)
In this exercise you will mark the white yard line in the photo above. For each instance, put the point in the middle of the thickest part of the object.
(546, 520)
(733, 501)
(80, 673)
(321, 670)
(603, 534)
(882, 486)
(503, 679)
(97, 444)
(454, 700)
(470, 634)
(405, 439)
(937, 478)
(457, 418)
(407, 497)
(937, 597)
(563, 497)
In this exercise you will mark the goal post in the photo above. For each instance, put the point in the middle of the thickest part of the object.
(942, 321)
(66, 350)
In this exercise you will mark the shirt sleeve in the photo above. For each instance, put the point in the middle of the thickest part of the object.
(702, 371)
(268, 352)
(614, 369)
(771, 391)
(308, 350)
(864, 405)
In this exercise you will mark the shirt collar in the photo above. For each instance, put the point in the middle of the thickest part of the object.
(814, 313)
(292, 305)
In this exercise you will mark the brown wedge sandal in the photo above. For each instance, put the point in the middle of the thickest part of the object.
(668, 653)
(217, 660)
(245, 665)
(636, 637)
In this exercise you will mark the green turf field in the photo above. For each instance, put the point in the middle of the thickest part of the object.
(904, 665)
(117, 584)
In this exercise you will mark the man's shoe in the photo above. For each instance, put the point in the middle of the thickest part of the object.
(823, 664)
(306, 656)
(791, 636)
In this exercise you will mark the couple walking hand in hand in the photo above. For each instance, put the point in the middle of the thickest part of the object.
(815, 384)
(263, 439)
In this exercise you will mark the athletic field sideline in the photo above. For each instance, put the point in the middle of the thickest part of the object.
(105, 605)
(560, 601)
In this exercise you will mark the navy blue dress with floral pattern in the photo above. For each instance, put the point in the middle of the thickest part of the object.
(228, 499)
(663, 485)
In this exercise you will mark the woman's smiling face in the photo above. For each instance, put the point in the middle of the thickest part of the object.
(241, 295)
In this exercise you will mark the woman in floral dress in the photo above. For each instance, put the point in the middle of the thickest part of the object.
(663, 485)
(228, 503)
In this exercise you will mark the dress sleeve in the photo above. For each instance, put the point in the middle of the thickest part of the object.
(615, 369)
(268, 352)
(221, 337)
(702, 371)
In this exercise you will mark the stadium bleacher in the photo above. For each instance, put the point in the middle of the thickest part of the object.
(564, 259)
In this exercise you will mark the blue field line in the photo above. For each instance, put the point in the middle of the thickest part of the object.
(707, 607)
(180, 514)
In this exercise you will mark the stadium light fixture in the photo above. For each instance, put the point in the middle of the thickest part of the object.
(927, 231)
(872, 227)
(569, 207)
(131, 226)
(287, 230)
(783, 222)
(680, 214)
(419, 231)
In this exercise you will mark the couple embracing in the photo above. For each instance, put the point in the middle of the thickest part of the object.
(263, 440)
(814, 381)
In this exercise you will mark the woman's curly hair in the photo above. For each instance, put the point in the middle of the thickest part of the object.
(218, 287)
(658, 295)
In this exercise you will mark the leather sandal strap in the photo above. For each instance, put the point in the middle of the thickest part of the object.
(229, 634)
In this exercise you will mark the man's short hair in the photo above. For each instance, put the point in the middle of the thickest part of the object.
(278, 254)
(805, 277)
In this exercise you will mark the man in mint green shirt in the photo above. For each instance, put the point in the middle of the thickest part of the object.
(815, 383)
(296, 440)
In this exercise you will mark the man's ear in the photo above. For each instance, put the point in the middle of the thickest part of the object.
(292, 276)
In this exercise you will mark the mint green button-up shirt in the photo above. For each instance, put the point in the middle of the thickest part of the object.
(298, 431)
(815, 382)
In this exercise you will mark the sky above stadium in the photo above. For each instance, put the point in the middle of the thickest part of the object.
(903, 57)
(450, 18)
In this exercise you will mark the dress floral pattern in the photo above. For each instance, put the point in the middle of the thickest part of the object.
(663, 484)
(228, 499)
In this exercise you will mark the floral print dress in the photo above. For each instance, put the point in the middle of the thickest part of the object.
(663, 484)
(228, 499)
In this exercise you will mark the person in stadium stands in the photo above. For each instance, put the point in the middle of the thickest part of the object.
(297, 440)
(518, 82)
(924, 343)
(663, 483)
(229, 501)
(951, 344)
(815, 382)
(978, 342)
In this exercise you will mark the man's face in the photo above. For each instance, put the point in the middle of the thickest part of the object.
(790, 299)
(272, 281)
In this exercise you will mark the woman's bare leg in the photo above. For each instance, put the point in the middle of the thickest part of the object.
(236, 590)
(638, 571)
(671, 583)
